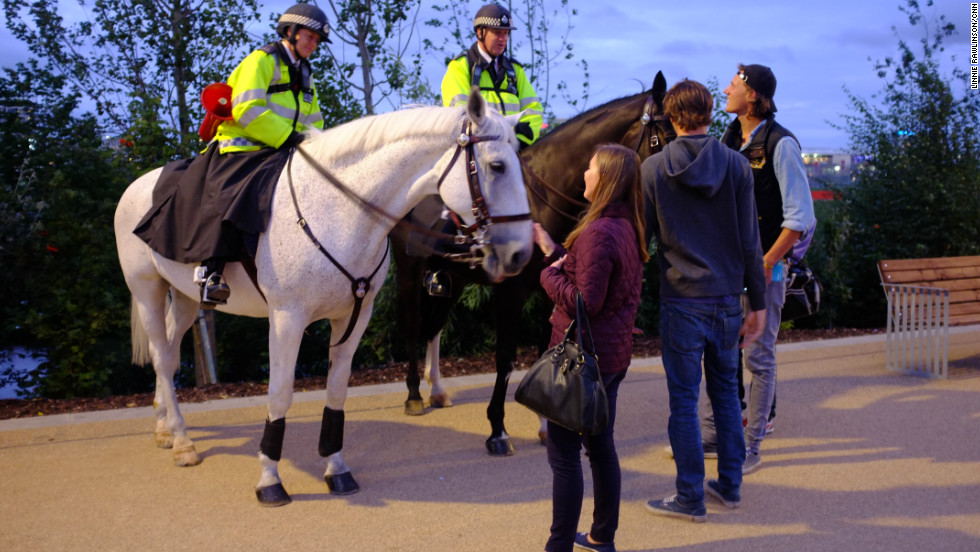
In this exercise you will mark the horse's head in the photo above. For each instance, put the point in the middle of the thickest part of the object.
(486, 194)
(655, 128)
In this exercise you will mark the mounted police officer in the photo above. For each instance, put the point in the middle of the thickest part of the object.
(501, 79)
(213, 207)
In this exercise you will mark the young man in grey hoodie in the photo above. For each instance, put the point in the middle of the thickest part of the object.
(699, 202)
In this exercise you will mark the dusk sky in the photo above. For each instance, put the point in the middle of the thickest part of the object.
(814, 49)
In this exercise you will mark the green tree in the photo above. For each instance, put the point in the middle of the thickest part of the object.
(919, 195)
(381, 35)
(63, 293)
(142, 62)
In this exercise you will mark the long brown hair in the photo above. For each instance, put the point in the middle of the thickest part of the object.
(619, 180)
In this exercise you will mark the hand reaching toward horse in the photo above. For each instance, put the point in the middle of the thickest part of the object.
(543, 239)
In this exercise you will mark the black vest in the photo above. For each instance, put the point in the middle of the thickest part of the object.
(759, 152)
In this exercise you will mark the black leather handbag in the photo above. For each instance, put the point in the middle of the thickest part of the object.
(564, 385)
(802, 291)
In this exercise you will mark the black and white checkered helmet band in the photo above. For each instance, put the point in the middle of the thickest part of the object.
(502, 22)
(294, 19)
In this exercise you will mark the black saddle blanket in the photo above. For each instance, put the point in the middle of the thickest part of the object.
(213, 206)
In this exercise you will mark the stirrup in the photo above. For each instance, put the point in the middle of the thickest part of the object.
(214, 291)
(438, 284)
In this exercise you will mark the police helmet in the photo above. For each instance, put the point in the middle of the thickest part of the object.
(307, 16)
(493, 16)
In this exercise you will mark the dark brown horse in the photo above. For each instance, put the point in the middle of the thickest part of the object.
(553, 170)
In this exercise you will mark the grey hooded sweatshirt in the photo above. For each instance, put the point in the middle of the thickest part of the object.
(699, 203)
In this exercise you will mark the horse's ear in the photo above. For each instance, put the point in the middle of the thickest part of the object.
(512, 120)
(476, 107)
(659, 88)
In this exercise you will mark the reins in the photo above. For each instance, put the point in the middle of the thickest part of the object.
(474, 235)
(646, 118)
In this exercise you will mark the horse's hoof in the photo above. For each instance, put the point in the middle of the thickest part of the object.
(186, 456)
(414, 407)
(341, 484)
(441, 400)
(273, 495)
(500, 446)
(543, 437)
(164, 440)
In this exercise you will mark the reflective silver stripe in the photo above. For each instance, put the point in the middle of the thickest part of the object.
(527, 101)
(459, 99)
(512, 107)
(251, 115)
(248, 95)
(238, 142)
(312, 119)
(282, 111)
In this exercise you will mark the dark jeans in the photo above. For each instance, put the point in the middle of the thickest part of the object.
(568, 488)
(692, 333)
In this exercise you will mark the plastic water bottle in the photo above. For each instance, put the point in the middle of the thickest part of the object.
(777, 272)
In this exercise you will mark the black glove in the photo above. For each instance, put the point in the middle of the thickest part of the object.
(524, 129)
(293, 140)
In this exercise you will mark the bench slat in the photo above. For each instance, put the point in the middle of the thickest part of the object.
(932, 262)
(922, 276)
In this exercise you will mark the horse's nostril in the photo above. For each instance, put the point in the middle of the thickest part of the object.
(519, 258)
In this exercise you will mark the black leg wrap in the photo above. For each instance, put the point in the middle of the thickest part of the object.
(331, 432)
(271, 444)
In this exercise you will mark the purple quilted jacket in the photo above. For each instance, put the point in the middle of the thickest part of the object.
(604, 264)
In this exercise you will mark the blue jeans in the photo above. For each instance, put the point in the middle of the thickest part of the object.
(568, 488)
(689, 334)
(760, 361)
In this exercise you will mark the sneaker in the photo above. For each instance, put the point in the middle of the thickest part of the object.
(752, 462)
(671, 508)
(710, 450)
(712, 488)
(770, 425)
(582, 542)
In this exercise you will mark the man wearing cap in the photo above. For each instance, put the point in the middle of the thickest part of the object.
(786, 218)
(502, 80)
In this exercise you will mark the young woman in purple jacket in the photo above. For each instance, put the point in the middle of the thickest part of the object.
(603, 259)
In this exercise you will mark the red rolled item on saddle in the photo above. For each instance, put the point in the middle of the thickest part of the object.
(216, 99)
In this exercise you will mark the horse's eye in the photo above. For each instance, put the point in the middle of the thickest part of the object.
(497, 166)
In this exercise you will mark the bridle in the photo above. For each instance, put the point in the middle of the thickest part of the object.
(649, 124)
(646, 123)
(475, 235)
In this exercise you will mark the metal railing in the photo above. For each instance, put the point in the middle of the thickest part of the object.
(917, 331)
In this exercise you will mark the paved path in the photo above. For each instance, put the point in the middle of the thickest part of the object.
(861, 459)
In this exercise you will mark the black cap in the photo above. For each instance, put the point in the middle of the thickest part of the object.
(760, 79)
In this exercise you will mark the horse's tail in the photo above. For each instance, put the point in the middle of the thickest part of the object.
(141, 342)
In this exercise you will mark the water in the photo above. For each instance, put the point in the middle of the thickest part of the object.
(23, 362)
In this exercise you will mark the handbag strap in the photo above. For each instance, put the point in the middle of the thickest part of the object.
(582, 325)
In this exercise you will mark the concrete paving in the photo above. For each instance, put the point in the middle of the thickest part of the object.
(861, 459)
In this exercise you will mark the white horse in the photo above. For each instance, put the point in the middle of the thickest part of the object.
(392, 161)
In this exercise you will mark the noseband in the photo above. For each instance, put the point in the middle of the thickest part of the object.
(476, 235)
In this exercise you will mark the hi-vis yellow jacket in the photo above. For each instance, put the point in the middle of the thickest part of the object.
(511, 93)
(265, 91)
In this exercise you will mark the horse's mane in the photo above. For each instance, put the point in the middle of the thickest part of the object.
(587, 115)
(370, 133)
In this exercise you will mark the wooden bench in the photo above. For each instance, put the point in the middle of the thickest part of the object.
(925, 298)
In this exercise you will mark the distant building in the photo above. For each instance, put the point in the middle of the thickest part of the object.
(824, 169)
